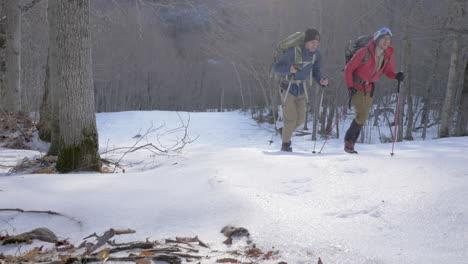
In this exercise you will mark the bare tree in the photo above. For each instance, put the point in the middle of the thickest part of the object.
(12, 100)
(2, 53)
(456, 14)
(78, 138)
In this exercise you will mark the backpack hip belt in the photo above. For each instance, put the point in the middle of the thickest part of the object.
(358, 80)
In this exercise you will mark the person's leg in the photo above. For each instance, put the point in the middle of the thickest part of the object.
(362, 103)
(289, 120)
(301, 111)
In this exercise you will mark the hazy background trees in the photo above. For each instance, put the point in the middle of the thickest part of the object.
(213, 55)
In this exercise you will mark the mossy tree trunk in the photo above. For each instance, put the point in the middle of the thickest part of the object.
(78, 137)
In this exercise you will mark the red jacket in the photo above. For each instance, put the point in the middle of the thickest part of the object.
(364, 71)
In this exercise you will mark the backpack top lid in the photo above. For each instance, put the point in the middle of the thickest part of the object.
(354, 45)
(290, 41)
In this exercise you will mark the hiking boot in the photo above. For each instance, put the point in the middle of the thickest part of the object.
(349, 147)
(286, 147)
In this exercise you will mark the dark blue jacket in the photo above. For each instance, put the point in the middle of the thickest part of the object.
(283, 65)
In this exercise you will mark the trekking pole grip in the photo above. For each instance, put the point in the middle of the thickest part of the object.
(398, 87)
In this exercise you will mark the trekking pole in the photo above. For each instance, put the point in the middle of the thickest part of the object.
(396, 117)
(331, 130)
(320, 106)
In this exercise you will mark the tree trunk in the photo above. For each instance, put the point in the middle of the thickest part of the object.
(462, 126)
(427, 95)
(78, 139)
(53, 91)
(2, 54)
(409, 99)
(455, 20)
(446, 118)
(44, 126)
(12, 101)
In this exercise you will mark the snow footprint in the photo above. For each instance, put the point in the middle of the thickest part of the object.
(371, 211)
(297, 186)
(356, 170)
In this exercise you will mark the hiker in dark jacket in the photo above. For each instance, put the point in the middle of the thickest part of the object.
(299, 64)
(365, 68)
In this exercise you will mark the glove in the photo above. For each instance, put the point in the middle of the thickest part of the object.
(400, 76)
(351, 91)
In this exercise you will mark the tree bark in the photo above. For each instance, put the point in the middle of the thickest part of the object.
(78, 138)
(12, 100)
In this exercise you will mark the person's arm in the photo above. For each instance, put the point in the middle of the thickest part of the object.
(317, 68)
(352, 65)
(390, 69)
(283, 65)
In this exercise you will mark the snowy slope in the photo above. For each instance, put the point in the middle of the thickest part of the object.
(365, 208)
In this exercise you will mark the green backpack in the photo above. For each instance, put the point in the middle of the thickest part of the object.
(293, 40)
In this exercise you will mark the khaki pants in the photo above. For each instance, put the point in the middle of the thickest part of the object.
(293, 115)
(362, 103)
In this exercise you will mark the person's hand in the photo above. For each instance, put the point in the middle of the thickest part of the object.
(293, 69)
(351, 91)
(324, 82)
(400, 76)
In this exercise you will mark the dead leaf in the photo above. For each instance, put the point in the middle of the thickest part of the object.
(106, 170)
(143, 261)
(63, 257)
(271, 254)
(48, 170)
(31, 255)
(50, 159)
(228, 241)
(104, 253)
(147, 253)
(254, 252)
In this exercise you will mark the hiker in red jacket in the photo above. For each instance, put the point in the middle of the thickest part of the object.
(365, 68)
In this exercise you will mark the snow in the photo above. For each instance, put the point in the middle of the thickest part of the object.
(365, 208)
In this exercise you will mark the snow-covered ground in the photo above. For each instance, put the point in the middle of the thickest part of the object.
(365, 208)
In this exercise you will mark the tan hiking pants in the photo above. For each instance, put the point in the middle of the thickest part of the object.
(362, 103)
(293, 115)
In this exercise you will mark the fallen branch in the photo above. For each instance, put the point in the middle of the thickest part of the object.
(133, 246)
(101, 240)
(41, 212)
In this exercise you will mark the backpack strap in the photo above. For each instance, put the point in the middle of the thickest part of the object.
(366, 57)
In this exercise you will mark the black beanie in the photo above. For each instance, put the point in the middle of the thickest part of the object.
(311, 34)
